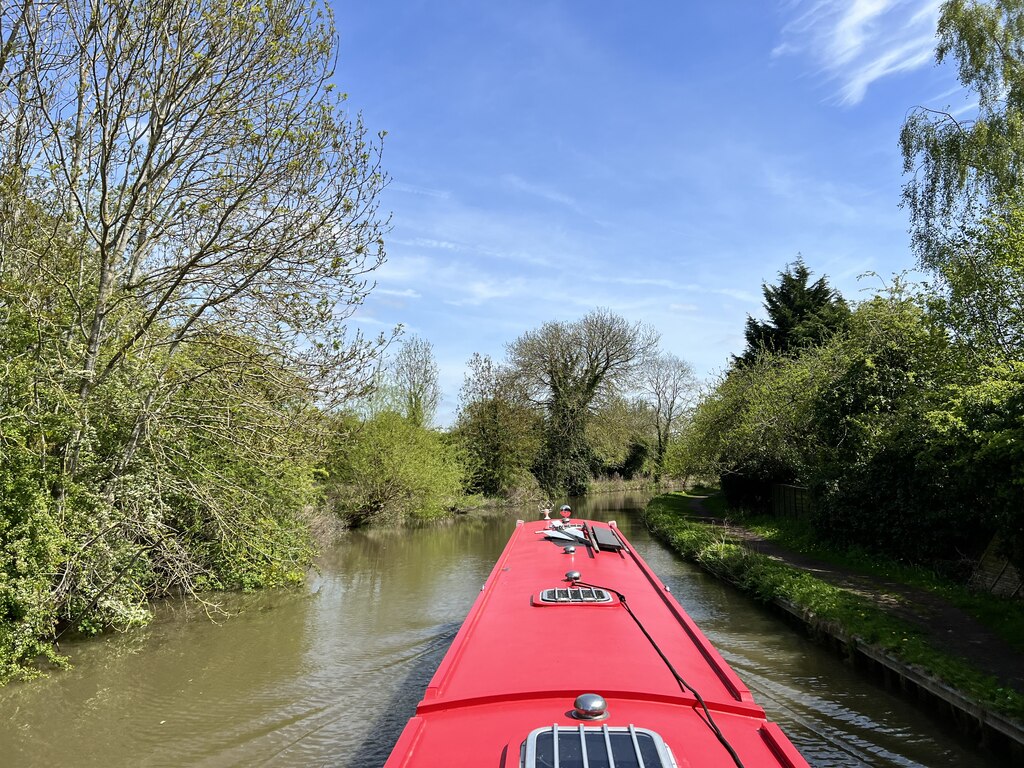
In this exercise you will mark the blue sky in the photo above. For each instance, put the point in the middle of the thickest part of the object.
(660, 159)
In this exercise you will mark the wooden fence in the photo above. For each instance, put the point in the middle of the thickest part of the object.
(995, 574)
(791, 501)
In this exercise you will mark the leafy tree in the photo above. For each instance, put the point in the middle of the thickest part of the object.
(669, 386)
(192, 215)
(962, 167)
(620, 433)
(979, 436)
(976, 428)
(755, 424)
(387, 469)
(850, 419)
(965, 205)
(755, 427)
(874, 483)
(414, 377)
(235, 467)
(799, 315)
(567, 368)
(981, 286)
(187, 219)
(31, 539)
(499, 430)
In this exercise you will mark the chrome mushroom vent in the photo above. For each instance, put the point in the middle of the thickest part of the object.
(590, 706)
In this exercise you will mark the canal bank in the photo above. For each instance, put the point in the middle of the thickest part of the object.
(909, 639)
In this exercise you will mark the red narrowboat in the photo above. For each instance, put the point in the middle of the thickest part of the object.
(575, 654)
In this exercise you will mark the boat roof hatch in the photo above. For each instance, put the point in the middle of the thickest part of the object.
(576, 747)
(606, 538)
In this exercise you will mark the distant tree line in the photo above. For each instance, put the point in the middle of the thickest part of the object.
(572, 402)
(903, 414)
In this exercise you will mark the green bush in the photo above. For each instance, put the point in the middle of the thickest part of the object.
(386, 470)
(979, 435)
(30, 546)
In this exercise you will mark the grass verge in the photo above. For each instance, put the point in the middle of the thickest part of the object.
(1000, 616)
(829, 608)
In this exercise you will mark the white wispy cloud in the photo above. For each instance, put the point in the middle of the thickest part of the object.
(539, 190)
(484, 290)
(424, 242)
(948, 92)
(412, 189)
(858, 42)
(966, 109)
(362, 318)
(912, 55)
(738, 295)
(832, 202)
(653, 282)
(676, 287)
(518, 238)
(404, 271)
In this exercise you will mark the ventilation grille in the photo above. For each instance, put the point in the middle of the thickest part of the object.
(602, 747)
(575, 595)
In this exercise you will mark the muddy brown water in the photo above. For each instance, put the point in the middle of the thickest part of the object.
(327, 675)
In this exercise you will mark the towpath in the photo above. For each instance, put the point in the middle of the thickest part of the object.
(949, 627)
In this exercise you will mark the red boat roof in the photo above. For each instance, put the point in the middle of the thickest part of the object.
(522, 657)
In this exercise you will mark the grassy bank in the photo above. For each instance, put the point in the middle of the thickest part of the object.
(1000, 616)
(830, 609)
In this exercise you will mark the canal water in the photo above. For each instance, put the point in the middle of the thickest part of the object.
(328, 675)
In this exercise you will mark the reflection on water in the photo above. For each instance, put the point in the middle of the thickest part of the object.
(328, 675)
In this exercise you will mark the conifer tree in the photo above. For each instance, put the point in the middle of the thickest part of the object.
(800, 314)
